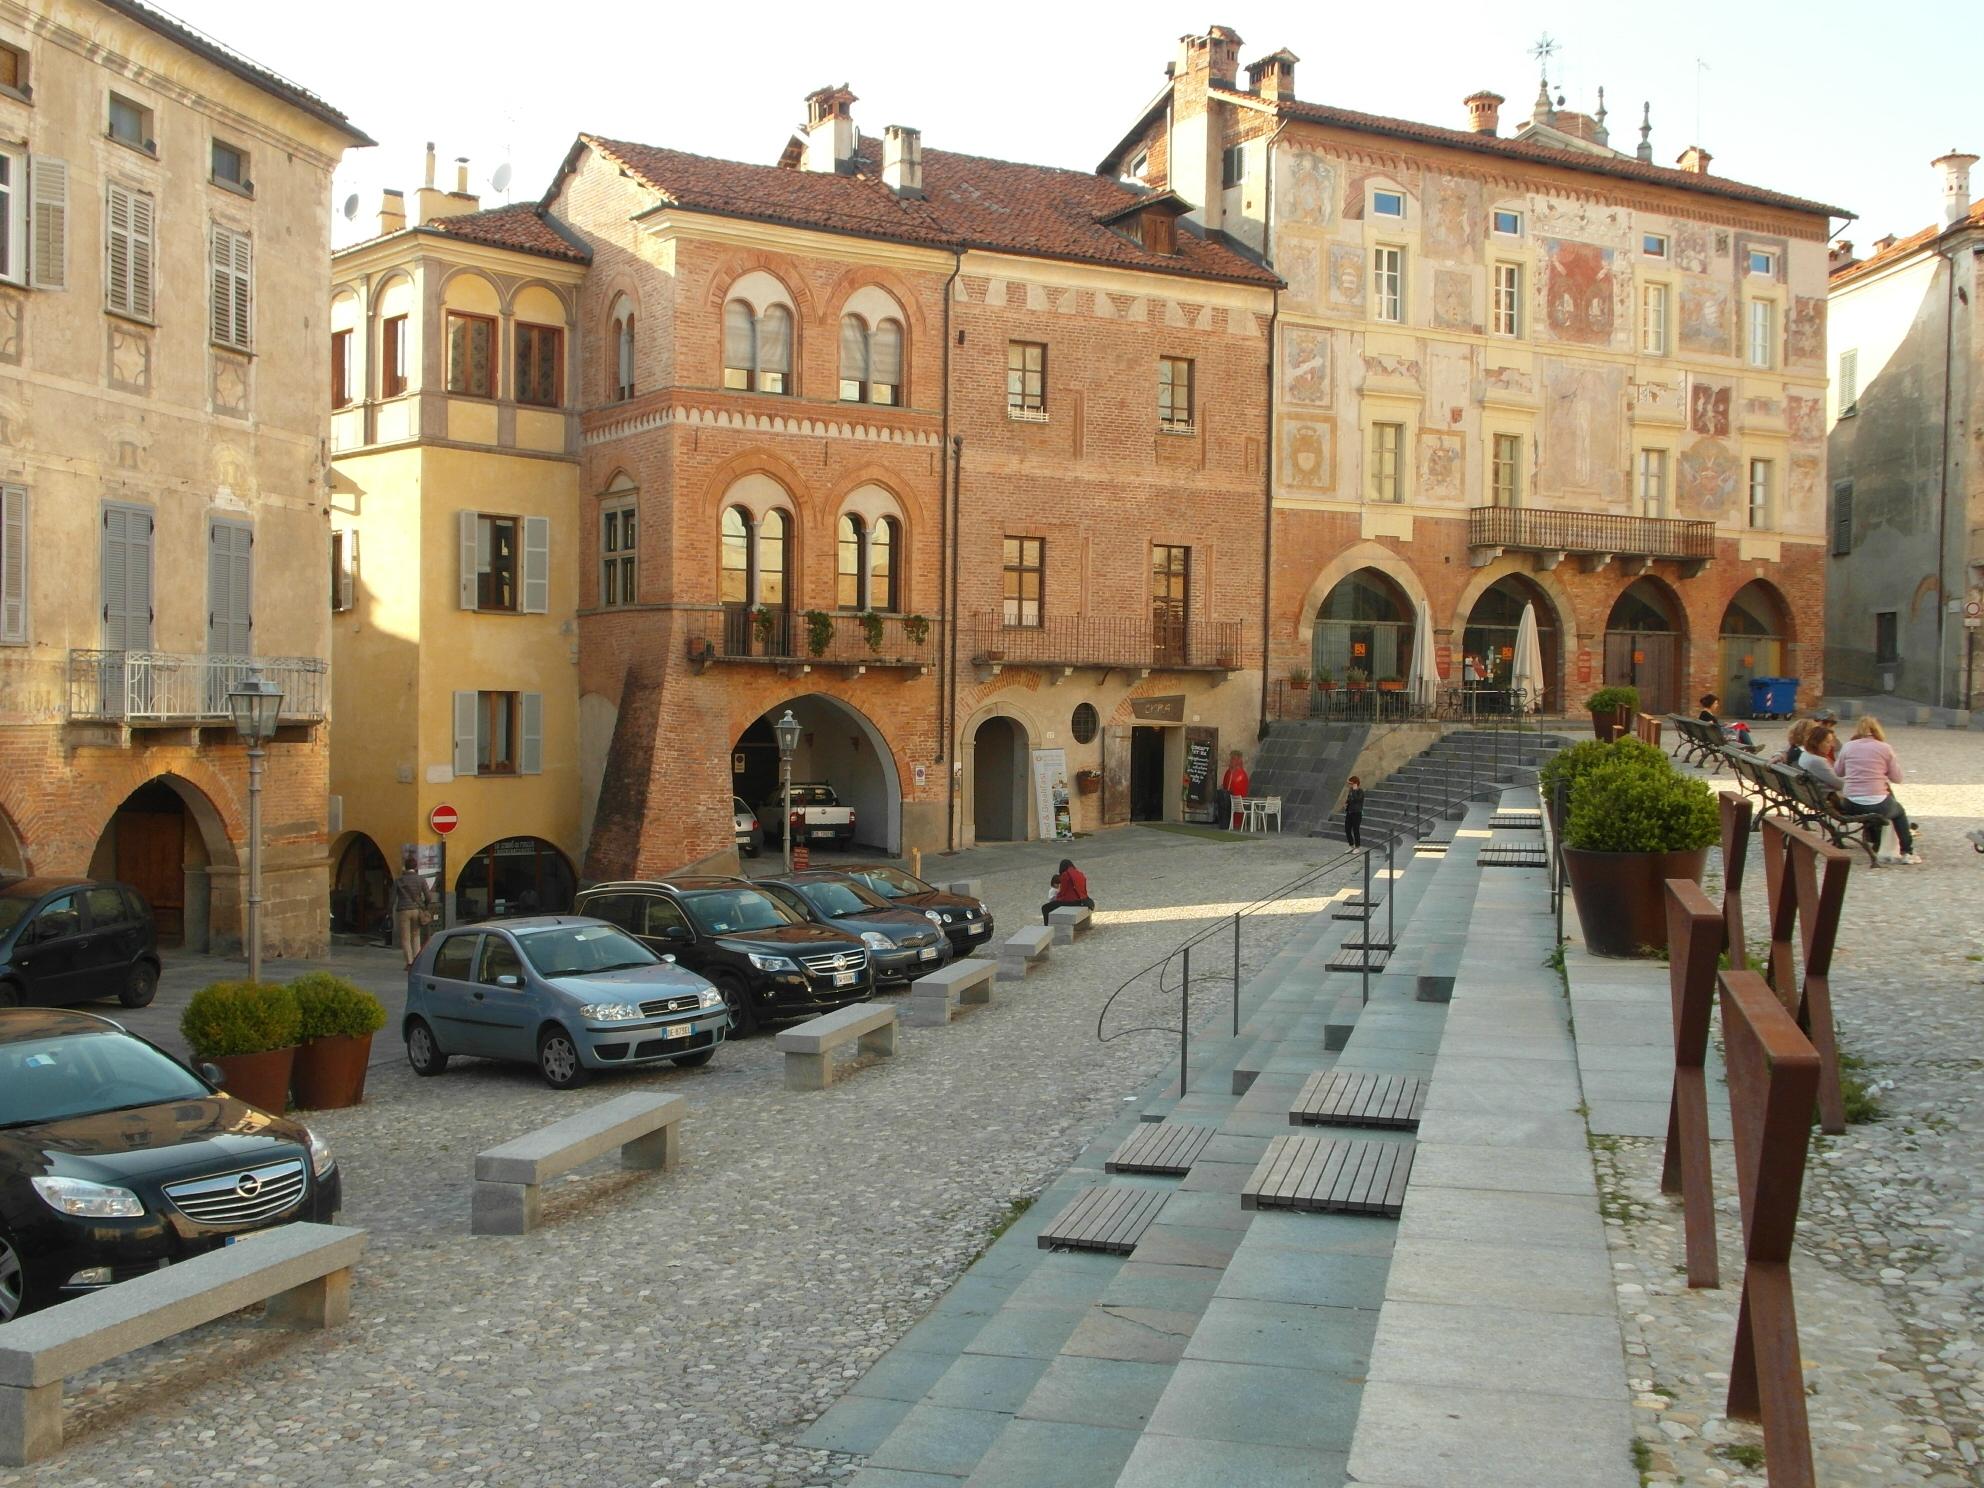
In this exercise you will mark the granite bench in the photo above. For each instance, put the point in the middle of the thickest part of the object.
(303, 1271)
(509, 1178)
(1065, 922)
(936, 996)
(809, 1048)
(1021, 950)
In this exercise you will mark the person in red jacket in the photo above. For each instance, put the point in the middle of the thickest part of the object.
(1070, 886)
(1233, 787)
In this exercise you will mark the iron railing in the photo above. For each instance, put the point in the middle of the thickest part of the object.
(741, 633)
(1484, 705)
(1537, 530)
(1081, 640)
(167, 688)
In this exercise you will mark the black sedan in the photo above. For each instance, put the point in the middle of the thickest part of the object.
(115, 1159)
(965, 920)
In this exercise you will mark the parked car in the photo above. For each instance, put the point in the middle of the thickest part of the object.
(68, 940)
(766, 959)
(902, 943)
(750, 832)
(116, 1159)
(965, 920)
(817, 816)
(569, 994)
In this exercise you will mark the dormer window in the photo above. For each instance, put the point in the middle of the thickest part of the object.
(1140, 165)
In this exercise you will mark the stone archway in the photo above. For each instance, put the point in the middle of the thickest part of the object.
(166, 839)
(1646, 644)
(839, 746)
(1756, 639)
(999, 781)
(361, 883)
(1489, 635)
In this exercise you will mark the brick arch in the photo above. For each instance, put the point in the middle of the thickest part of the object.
(915, 508)
(728, 270)
(751, 462)
(209, 800)
(860, 277)
(1676, 601)
(1552, 589)
(1372, 555)
(1771, 593)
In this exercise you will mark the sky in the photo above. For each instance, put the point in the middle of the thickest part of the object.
(1838, 102)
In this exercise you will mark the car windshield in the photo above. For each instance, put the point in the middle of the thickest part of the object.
(580, 950)
(890, 883)
(728, 911)
(12, 912)
(78, 1074)
(813, 795)
(842, 898)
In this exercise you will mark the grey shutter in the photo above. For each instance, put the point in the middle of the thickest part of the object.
(127, 579)
(117, 249)
(230, 624)
(468, 531)
(13, 566)
(231, 268)
(465, 720)
(537, 566)
(142, 251)
(48, 223)
(530, 754)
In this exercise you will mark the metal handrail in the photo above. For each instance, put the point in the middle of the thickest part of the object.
(162, 687)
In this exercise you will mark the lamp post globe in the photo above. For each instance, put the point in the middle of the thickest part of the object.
(787, 731)
(256, 704)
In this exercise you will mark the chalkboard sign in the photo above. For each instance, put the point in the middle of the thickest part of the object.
(1199, 746)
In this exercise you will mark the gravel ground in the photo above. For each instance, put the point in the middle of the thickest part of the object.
(680, 1329)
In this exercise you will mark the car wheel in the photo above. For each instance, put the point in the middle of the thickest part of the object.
(13, 1280)
(743, 1016)
(422, 1052)
(558, 1060)
(693, 1061)
(140, 987)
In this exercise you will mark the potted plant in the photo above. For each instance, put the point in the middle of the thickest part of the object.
(1298, 678)
(917, 628)
(1326, 680)
(338, 1021)
(1356, 679)
(1612, 710)
(819, 631)
(871, 630)
(1088, 782)
(1631, 828)
(699, 648)
(1391, 684)
(1568, 766)
(761, 626)
(250, 1030)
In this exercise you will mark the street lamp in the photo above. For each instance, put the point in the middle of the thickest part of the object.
(256, 704)
(787, 731)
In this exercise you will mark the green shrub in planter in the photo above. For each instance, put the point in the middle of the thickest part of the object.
(229, 1018)
(1613, 700)
(335, 1008)
(1620, 806)
(1570, 765)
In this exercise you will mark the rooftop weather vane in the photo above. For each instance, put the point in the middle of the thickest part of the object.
(1543, 51)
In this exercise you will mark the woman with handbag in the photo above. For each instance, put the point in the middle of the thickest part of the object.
(412, 909)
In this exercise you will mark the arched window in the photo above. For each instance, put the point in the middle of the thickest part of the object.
(734, 581)
(772, 555)
(870, 361)
(620, 352)
(853, 535)
(757, 349)
(882, 565)
(865, 572)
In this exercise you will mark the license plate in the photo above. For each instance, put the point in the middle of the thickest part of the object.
(980, 929)
(843, 979)
(928, 953)
(823, 832)
(678, 1030)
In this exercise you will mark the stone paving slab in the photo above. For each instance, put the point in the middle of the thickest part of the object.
(1053, 1454)
(1187, 1462)
(1419, 1436)
(1523, 1350)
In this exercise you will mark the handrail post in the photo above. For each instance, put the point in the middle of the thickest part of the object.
(1184, 1019)
(1236, 973)
(1391, 895)
(1364, 961)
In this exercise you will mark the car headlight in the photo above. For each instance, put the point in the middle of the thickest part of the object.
(321, 1161)
(712, 998)
(772, 963)
(934, 917)
(875, 940)
(610, 1012)
(85, 1200)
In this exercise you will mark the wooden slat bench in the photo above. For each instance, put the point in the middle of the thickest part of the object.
(1021, 949)
(1366, 940)
(1351, 959)
(1108, 1219)
(936, 996)
(1510, 856)
(1531, 821)
(1161, 1147)
(1336, 1175)
(510, 1178)
(1339, 1098)
(1065, 922)
(1432, 847)
(809, 1048)
(303, 1271)
(1354, 909)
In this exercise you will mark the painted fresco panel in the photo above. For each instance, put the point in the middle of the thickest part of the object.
(1584, 431)
(1442, 466)
(1453, 300)
(1306, 366)
(1577, 292)
(1306, 188)
(1308, 455)
(1346, 281)
(1705, 318)
(1705, 480)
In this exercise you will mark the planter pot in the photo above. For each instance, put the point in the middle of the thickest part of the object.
(1622, 897)
(1391, 687)
(329, 1073)
(1606, 727)
(262, 1080)
(1088, 785)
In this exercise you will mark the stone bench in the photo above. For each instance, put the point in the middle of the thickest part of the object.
(1021, 950)
(809, 1048)
(936, 996)
(1065, 922)
(968, 887)
(509, 1178)
(303, 1271)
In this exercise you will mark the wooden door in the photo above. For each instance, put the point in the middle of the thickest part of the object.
(151, 857)
(1115, 775)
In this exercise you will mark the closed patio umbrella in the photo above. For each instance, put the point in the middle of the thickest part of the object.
(1528, 673)
(1425, 672)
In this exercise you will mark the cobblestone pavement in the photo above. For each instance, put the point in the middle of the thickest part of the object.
(676, 1329)
(1890, 1271)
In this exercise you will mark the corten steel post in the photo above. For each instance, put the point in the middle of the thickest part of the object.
(1736, 812)
(1773, 1077)
(1184, 1019)
(1364, 959)
(1694, 936)
(1236, 973)
(1804, 900)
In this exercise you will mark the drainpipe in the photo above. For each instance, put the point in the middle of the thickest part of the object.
(946, 539)
(1943, 484)
(1267, 452)
(957, 516)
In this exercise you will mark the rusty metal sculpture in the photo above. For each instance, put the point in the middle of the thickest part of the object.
(1694, 937)
(1805, 877)
(1773, 1076)
(1737, 811)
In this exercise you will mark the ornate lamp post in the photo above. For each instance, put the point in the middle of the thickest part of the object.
(256, 704)
(787, 731)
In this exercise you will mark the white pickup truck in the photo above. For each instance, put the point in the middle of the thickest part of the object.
(817, 817)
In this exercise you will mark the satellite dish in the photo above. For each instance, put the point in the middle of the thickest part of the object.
(351, 207)
(501, 180)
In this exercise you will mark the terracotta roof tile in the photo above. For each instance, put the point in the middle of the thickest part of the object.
(518, 226)
(1903, 247)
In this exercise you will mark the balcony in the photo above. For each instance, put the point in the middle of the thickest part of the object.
(168, 689)
(788, 638)
(1595, 537)
(1137, 644)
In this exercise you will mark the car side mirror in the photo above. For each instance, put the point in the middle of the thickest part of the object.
(675, 932)
(212, 1075)
(669, 959)
(509, 979)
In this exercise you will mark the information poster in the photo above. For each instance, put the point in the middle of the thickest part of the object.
(1052, 818)
(1201, 744)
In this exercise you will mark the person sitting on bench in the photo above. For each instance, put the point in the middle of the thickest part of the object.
(1738, 732)
(1070, 887)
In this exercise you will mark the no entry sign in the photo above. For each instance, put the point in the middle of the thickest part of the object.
(443, 819)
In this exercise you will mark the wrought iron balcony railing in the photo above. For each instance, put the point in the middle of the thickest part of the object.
(168, 689)
(838, 638)
(1537, 530)
(1140, 642)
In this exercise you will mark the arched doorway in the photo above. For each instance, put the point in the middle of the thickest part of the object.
(838, 746)
(1490, 637)
(514, 876)
(1644, 636)
(1364, 623)
(998, 781)
(359, 888)
(1755, 641)
(162, 840)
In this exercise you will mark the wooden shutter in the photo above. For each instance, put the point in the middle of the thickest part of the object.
(48, 223)
(466, 712)
(128, 267)
(530, 744)
(469, 523)
(231, 267)
(127, 579)
(537, 566)
(229, 623)
(13, 566)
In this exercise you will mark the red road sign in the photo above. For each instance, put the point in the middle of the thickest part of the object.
(443, 819)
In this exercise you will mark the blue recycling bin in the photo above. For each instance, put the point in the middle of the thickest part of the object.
(1773, 697)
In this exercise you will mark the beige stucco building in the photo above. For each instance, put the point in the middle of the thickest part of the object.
(162, 438)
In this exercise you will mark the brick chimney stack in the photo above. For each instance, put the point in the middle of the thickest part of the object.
(1215, 56)
(902, 160)
(1955, 167)
(1839, 255)
(1695, 160)
(1484, 111)
(1273, 77)
(830, 134)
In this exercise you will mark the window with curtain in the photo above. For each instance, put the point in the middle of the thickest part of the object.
(757, 349)
(885, 364)
(772, 556)
(620, 352)
(882, 544)
(847, 592)
(540, 352)
(734, 578)
(740, 345)
(774, 350)
(853, 359)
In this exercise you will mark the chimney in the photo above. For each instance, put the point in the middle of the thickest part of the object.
(1881, 245)
(392, 211)
(430, 201)
(429, 181)
(902, 160)
(1273, 77)
(461, 175)
(1839, 255)
(1695, 160)
(830, 134)
(1215, 56)
(1955, 167)
(1484, 111)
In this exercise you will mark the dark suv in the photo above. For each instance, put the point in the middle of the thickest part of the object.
(75, 940)
(965, 920)
(765, 959)
(902, 944)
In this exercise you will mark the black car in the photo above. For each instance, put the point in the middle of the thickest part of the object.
(768, 962)
(116, 1159)
(902, 943)
(965, 920)
(75, 940)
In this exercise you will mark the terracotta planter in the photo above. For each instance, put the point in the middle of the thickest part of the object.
(1606, 727)
(262, 1080)
(330, 1072)
(1622, 897)
(1088, 785)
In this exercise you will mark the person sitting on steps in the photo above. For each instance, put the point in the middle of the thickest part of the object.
(1070, 887)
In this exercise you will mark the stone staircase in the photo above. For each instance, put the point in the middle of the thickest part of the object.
(1463, 766)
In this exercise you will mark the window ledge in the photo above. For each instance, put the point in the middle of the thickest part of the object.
(126, 315)
(149, 149)
(240, 351)
(1027, 415)
(239, 188)
(19, 95)
(1179, 431)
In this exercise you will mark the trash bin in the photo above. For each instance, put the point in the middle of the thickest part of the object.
(1773, 697)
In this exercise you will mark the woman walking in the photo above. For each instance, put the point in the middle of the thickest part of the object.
(1353, 813)
(1868, 765)
(412, 911)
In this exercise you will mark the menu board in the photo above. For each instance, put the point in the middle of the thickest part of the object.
(1200, 746)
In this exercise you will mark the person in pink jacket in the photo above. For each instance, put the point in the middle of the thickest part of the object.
(1868, 766)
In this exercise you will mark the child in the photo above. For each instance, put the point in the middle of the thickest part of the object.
(1353, 813)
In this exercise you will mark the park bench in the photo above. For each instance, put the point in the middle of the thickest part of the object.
(1065, 922)
(809, 1048)
(1021, 950)
(1705, 744)
(509, 1178)
(1769, 785)
(1815, 806)
(303, 1271)
(936, 996)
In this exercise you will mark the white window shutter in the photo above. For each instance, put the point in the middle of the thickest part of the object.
(141, 255)
(231, 268)
(13, 566)
(468, 531)
(117, 249)
(48, 222)
(465, 721)
(530, 756)
(537, 565)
